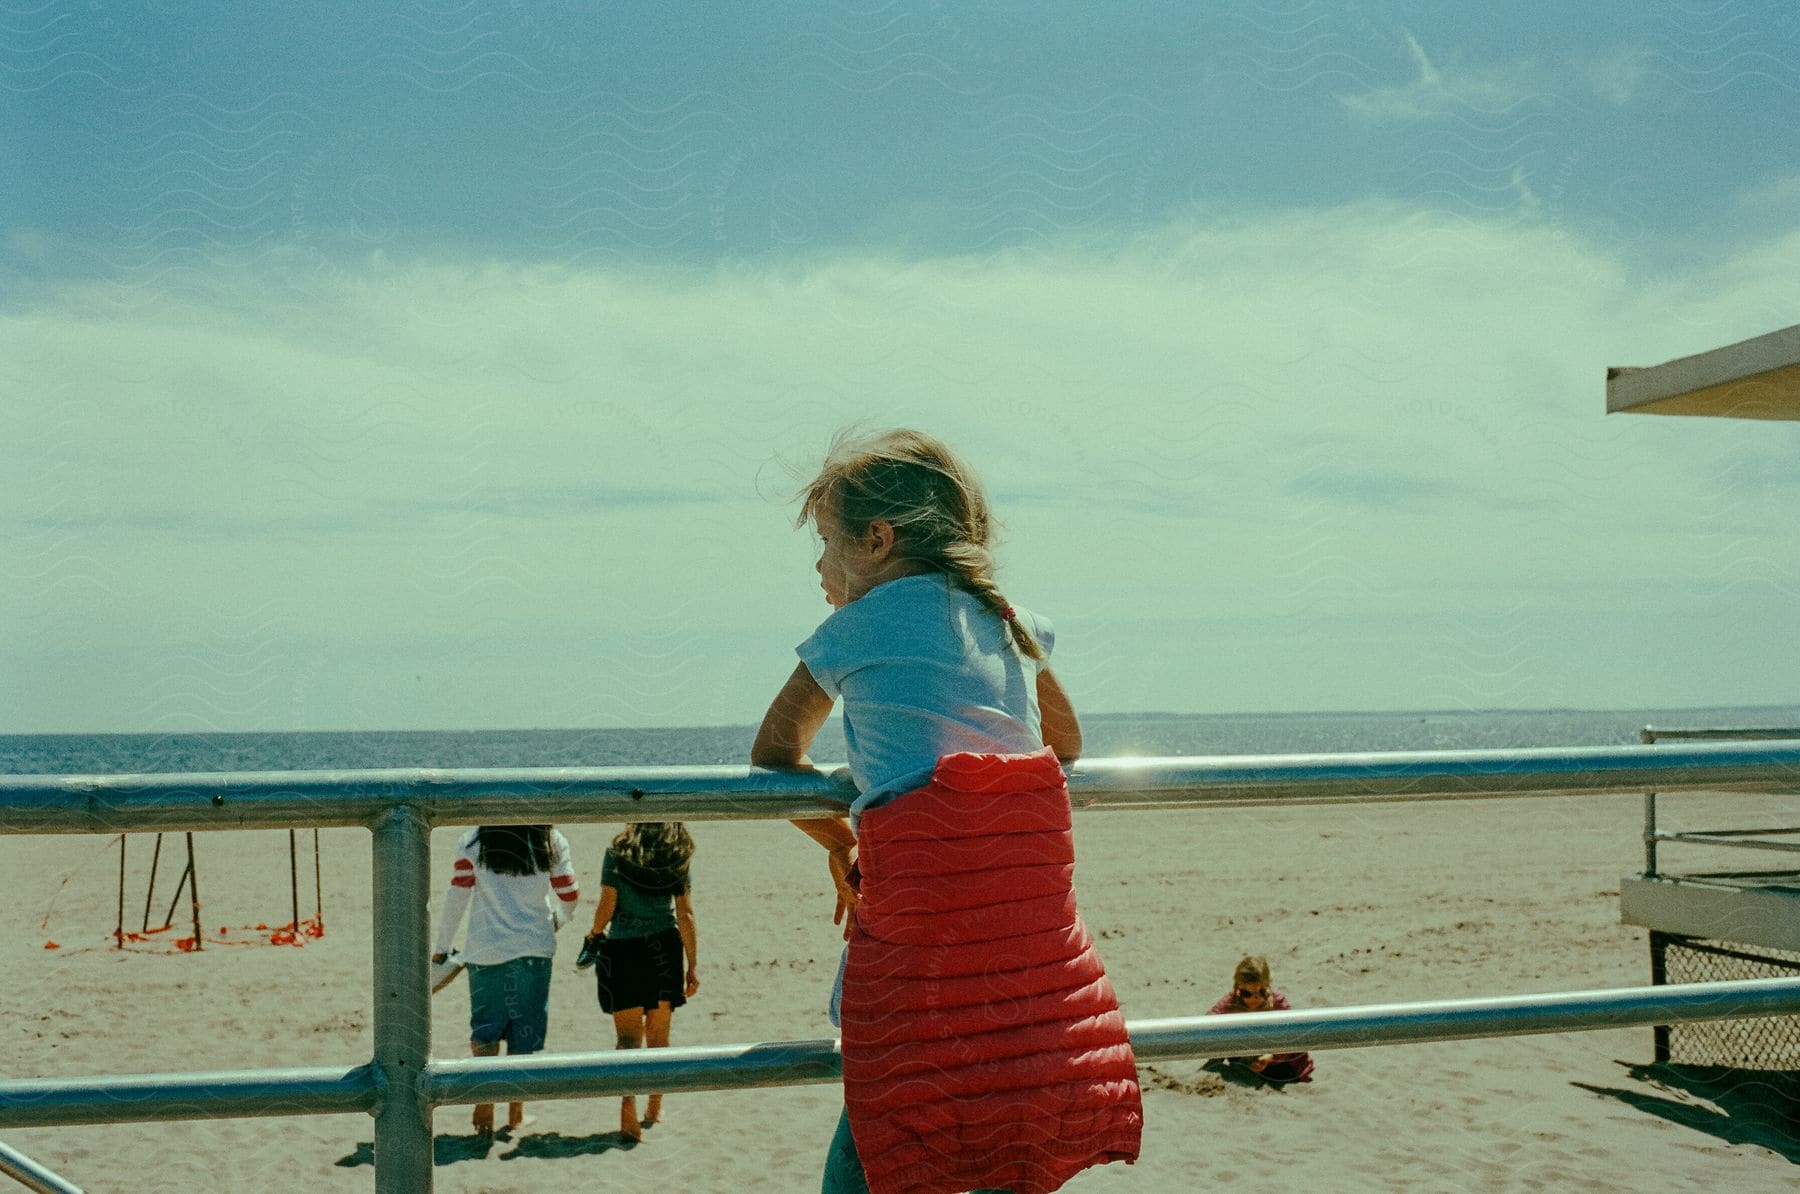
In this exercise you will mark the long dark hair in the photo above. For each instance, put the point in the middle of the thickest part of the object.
(513, 849)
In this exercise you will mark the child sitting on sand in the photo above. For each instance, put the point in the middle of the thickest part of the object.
(1251, 992)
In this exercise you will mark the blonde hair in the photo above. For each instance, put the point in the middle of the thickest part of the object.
(1253, 968)
(932, 498)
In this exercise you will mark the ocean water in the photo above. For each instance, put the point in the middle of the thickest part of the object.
(1106, 735)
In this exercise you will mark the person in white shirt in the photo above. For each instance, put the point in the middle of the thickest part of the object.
(517, 886)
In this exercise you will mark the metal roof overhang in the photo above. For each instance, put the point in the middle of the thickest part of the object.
(1754, 379)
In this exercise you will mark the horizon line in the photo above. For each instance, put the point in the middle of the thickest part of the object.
(1548, 710)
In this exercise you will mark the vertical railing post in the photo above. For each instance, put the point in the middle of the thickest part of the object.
(1659, 976)
(1648, 737)
(402, 877)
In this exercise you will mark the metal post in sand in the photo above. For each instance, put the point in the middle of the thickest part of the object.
(150, 891)
(180, 886)
(318, 892)
(294, 883)
(119, 928)
(194, 893)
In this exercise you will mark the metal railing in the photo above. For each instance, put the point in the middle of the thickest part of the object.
(401, 1085)
(31, 1175)
(1744, 839)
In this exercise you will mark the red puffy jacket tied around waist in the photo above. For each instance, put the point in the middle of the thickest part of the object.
(983, 1045)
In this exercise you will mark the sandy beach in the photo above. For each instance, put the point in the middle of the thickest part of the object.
(1352, 906)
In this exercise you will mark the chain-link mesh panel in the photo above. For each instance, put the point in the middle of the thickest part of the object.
(1764, 1043)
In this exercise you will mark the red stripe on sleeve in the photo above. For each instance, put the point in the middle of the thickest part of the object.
(463, 864)
(462, 881)
(561, 880)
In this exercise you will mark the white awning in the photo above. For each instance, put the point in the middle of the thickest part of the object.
(1755, 379)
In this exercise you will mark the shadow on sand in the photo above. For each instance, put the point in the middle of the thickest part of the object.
(555, 1144)
(1760, 1107)
(448, 1150)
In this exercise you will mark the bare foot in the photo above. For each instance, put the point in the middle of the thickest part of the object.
(629, 1127)
(516, 1125)
(653, 1111)
(484, 1119)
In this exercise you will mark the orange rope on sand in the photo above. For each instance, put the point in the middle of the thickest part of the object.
(310, 929)
(50, 905)
(296, 934)
(291, 934)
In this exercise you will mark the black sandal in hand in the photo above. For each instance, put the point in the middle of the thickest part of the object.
(590, 950)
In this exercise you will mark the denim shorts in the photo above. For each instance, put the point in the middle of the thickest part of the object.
(510, 1002)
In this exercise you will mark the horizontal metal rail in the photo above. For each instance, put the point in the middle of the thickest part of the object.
(544, 1076)
(301, 799)
(1653, 734)
(1720, 838)
(1706, 833)
(795, 1063)
(401, 1083)
(33, 1176)
(218, 1094)
(1747, 734)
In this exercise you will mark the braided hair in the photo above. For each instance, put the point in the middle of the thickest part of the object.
(934, 501)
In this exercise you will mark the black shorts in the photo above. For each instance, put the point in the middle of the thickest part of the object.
(640, 972)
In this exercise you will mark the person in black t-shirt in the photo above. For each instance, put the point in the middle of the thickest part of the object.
(643, 943)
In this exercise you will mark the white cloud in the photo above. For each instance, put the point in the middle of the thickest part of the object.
(1527, 199)
(1434, 93)
(1779, 195)
(1317, 458)
(1428, 74)
(1618, 75)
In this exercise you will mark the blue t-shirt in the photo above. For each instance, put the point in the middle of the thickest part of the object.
(925, 670)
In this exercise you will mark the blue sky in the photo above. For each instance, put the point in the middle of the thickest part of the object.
(448, 365)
